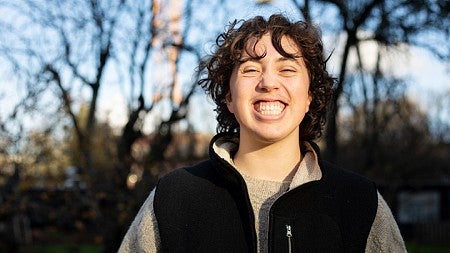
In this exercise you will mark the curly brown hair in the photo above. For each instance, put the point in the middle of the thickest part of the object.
(229, 48)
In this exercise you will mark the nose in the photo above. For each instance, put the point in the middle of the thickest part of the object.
(268, 81)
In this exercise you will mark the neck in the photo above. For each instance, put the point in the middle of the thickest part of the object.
(276, 161)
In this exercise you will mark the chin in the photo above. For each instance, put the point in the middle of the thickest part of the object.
(272, 138)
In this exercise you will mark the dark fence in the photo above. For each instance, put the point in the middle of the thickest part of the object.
(423, 212)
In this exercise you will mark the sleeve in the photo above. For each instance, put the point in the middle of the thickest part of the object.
(143, 235)
(384, 235)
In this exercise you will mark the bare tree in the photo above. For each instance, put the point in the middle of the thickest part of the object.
(64, 51)
(68, 58)
(387, 24)
(164, 36)
(65, 60)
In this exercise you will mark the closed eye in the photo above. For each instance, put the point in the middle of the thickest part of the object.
(249, 70)
(288, 72)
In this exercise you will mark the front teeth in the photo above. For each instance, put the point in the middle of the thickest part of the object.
(270, 108)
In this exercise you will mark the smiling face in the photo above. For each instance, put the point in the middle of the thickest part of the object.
(269, 93)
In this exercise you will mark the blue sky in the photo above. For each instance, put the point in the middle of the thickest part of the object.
(427, 75)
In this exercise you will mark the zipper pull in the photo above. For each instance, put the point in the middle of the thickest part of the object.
(289, 235)
(288, 231)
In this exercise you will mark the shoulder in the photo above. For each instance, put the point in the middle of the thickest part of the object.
(356, 199)
(335, 175)
(187, 176)
(199, 181)
(338, 176)
(356, 194)
(186, 193)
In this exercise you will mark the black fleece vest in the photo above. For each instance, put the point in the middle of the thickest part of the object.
(206, 208)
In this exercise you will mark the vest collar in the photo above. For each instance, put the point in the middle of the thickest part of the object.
(223, 146)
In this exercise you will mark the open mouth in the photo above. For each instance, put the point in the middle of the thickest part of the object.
(269, 107)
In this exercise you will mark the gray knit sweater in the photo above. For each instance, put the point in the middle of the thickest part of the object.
(384, 236)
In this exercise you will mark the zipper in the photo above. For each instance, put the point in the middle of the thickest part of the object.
(289, 235)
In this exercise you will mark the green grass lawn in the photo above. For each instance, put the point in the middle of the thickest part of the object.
(421, 248)
(61, 249)
(89, 248)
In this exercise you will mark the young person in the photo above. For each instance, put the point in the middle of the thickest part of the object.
(265, 187)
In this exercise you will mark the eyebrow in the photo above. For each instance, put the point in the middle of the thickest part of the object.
(284, 58)
(249, 58)
(280, 59)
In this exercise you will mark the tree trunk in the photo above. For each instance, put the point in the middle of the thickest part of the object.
(331, 129)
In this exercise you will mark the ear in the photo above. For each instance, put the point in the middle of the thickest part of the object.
(310, 98)
(228, 100)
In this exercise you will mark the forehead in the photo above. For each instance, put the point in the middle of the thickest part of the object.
(263, 44)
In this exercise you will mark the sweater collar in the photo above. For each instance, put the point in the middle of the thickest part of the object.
(224, 146)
